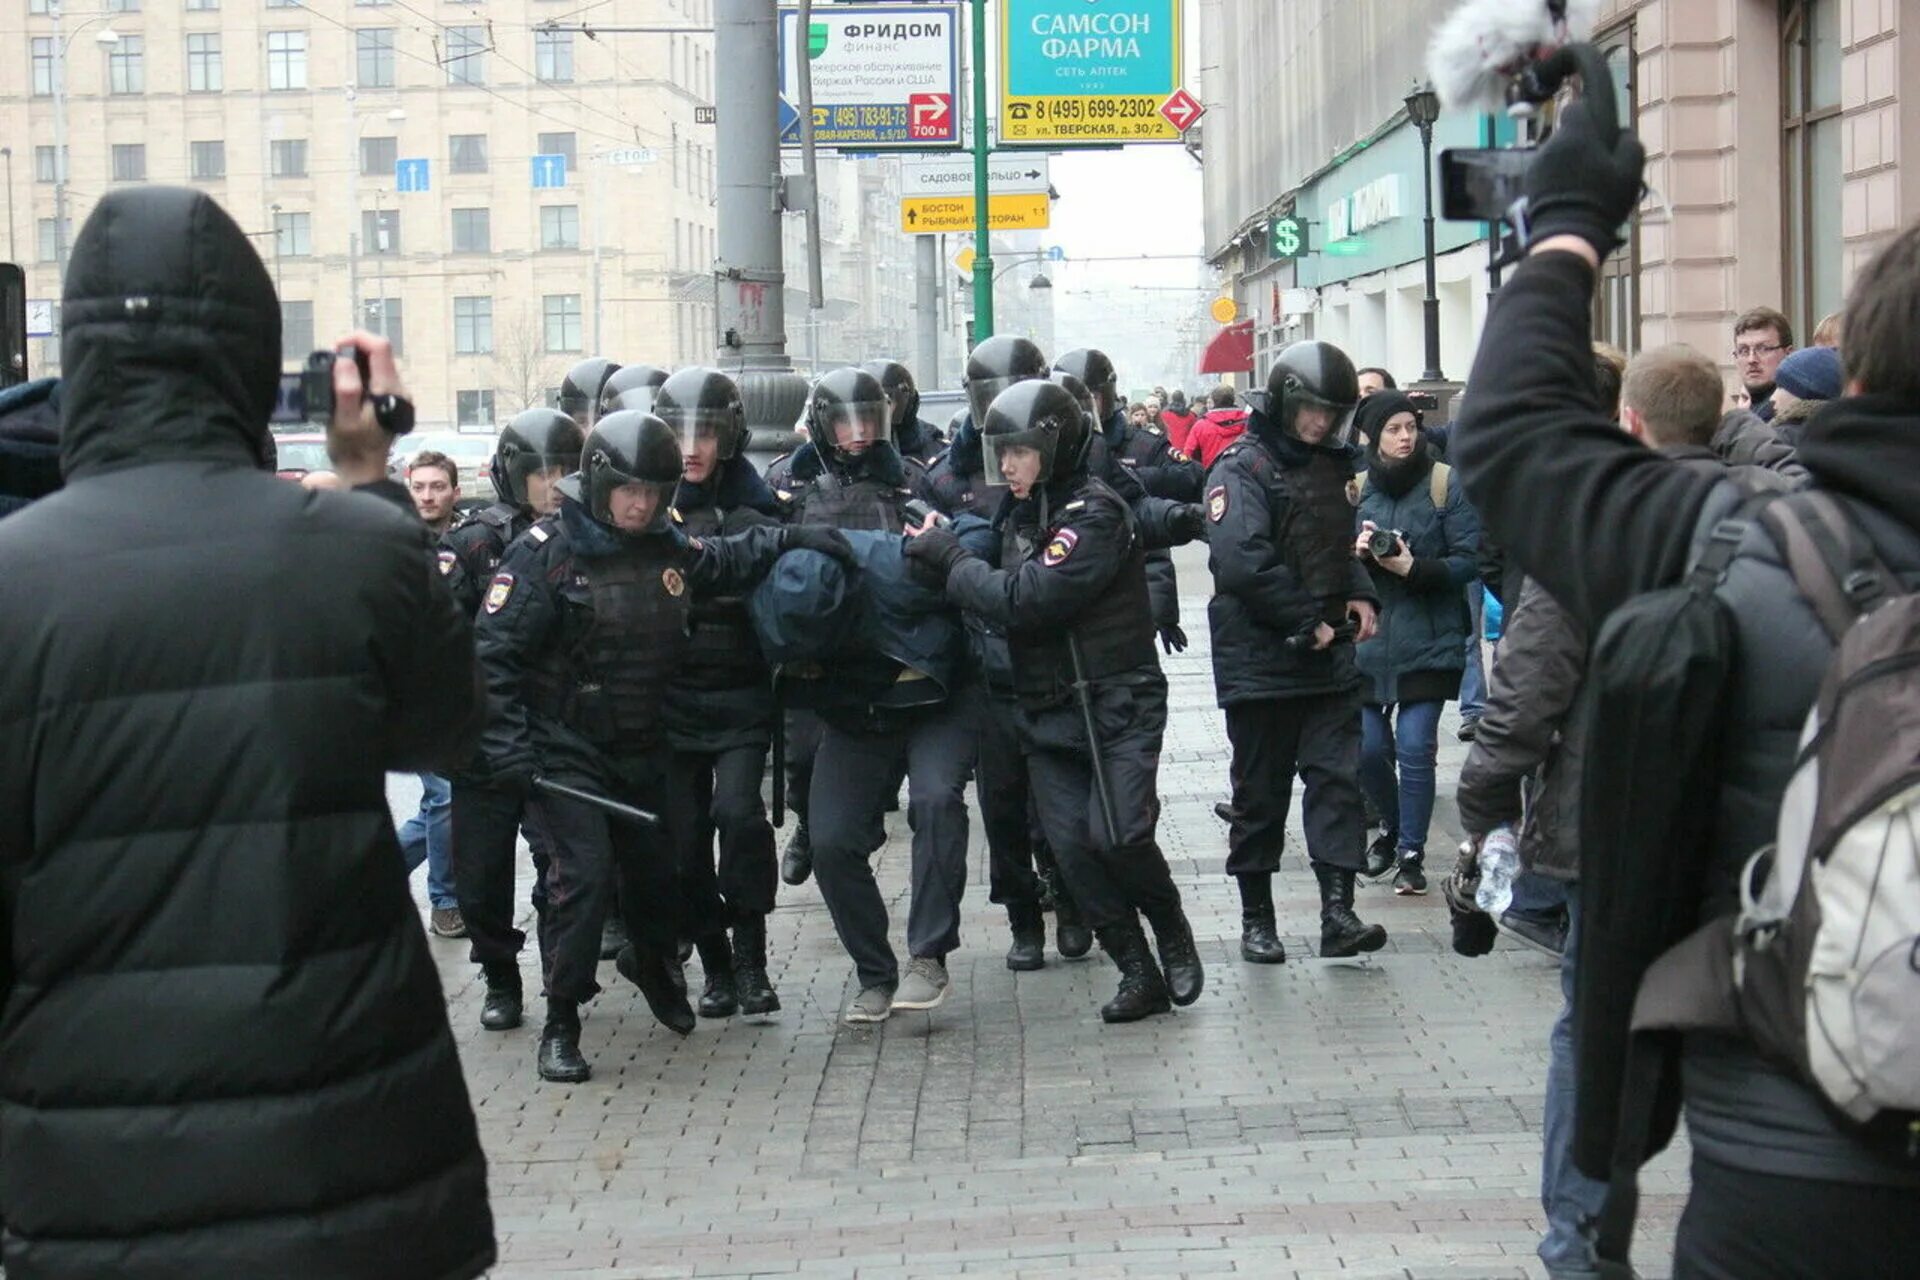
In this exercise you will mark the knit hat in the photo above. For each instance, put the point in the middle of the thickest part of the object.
(1812, 373)
(1374, 412)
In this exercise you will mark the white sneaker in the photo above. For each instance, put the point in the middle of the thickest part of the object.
(873, 1004)
(925, 985)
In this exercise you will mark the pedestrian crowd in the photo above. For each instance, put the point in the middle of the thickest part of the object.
(644, 657)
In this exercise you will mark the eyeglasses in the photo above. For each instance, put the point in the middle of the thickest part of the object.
(1756, 352)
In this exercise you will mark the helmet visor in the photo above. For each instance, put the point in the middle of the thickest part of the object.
(856, 424)
(695, 428)
(1318, 421)
(629, 505)
(522, 463)
(1017, 452)
(981, 393)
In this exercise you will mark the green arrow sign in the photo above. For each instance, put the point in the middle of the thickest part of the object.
(1287, 237)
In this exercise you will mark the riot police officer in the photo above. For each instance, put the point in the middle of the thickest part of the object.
(1072, 595)
(913, 436)
(580, 389)
(1289, 603)
(631, 386)
(535, 450)
(878, 714)
(1162, 470)
(720, 706)
(579, 634)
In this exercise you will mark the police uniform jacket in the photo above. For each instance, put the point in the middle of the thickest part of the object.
(470, 552)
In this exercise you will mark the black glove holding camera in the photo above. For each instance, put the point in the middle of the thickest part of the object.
(1582, 183)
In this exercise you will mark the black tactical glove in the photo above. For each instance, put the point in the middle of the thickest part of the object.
(1189, 524)
(1173, 639)
(1581, 184)
(515, 776)
(932, 555)
(818, 537)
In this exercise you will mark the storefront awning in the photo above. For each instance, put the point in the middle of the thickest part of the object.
(1231, 350)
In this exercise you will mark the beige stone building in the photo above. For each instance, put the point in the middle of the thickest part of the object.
(506, 267)
(1783, 139)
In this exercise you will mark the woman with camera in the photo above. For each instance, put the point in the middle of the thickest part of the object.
(1420, 541)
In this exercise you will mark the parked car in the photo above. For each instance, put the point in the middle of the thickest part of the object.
(300, 452)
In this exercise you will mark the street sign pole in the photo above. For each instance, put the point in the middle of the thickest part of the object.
(982, 202)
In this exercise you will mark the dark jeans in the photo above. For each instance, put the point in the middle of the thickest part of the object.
(718, 792)
(1000, 784)
(1272, 738)
(1473, 677)
(803, 744)
(1407, 735)
(1109, 879)
(1571, 1199)
(1742, 1225)
(853, 775)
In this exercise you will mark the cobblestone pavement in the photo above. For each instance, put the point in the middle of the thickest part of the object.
(1315, 1119)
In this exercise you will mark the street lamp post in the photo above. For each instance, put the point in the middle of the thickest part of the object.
(353, 216)
(61, 39)
(1423, 108)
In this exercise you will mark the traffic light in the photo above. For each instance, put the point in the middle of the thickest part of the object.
(1287, 237)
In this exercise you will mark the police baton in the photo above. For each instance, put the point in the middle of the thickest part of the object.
(1094, 753)
(613, 808)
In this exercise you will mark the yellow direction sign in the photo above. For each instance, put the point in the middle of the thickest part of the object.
(929, 215)
(1224, 310)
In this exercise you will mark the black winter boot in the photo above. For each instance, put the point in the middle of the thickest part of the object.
(1341, 932)
(560, 1059)
(752, 988)
(1179, 957)
(1071, 937)
(1143, 992)
(650, 971)
(717, 998)
(1259, 939)
(500, 1011)
(613, 935)
(1029, 926)
(796, 863)
(1381, 854)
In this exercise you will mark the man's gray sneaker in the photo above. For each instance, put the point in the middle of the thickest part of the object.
(924, 986)
(873, 1004)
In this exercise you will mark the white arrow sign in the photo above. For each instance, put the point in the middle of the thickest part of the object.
(1006, 176)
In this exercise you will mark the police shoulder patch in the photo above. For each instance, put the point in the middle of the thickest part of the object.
(497, 592)
(1217, 503)
(447, 560)
(1059, 548)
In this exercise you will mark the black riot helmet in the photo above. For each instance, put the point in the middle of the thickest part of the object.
(699, 403)
(997, 364)
(1093, 368)
(848, 413)
(535, 441)
(629, 448)
(580, 391)
(1316, 374)
(897, 380)
(1078, 390)
(1036, 414)
(631, 386)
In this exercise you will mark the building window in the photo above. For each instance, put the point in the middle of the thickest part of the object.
(42, 57)
(1616, 302)
(371, 4)
(202, 6)
(288, 157)
(560, 226)
(283, 4)
(43, 170)
(473, 408)
(129, 162)
(293, 234)
(208, 160)
(127, 65)
(1810, 138)
(467, 153)
(375, 63)
(553, 56)
(559, 144)
(123, 6)
(466, 55)
(560, 313)
(384, 317)
(36, 8)
(45, 226)
(379, 231)
(296, 331)
(471, 231)
(377, 156)
(203, 63)
(286, 59)
(472, 326)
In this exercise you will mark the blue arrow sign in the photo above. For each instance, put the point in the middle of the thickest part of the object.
(789, 121)
(1056, 254)
(411, 175)
(550, 170)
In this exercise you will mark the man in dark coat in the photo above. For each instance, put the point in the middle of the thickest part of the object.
(223, 1046)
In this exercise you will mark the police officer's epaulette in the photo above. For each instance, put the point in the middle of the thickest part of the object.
(542, 530)
(1075, 505)
(677, 517)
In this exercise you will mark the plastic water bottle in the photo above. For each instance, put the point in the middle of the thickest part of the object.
(1499, 864)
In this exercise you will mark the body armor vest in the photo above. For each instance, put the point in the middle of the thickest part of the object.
(1317, 531)
(722, 651)
(857, 504)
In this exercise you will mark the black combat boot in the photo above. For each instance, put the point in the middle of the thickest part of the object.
(613, 936)
(752, 988)
(650, 971)
(500, 1011)
(1341, 932)
(1381, 855)
(796, 863)
(1179, 958)
(1029, 926)
(1071, 937)
(1143, 992)
(560, 1059)
(717, 998)
(1259, 940)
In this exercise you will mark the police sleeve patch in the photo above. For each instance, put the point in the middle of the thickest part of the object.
(1217, 503)
(1059, 548)
(497, 592)
(447, 561)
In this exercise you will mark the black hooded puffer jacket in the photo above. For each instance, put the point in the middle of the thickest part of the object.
(224, 1050)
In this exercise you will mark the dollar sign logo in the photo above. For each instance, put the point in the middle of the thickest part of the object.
(1286, 238)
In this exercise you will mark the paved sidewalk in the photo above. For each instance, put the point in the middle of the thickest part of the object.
(1316, 1119)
